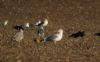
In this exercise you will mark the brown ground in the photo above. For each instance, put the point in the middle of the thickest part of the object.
(71, 15)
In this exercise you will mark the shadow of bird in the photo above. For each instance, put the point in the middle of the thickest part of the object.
(97, 34)
(78, 34)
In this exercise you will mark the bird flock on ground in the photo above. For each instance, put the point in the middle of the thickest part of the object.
(40, 26)
(57, 36)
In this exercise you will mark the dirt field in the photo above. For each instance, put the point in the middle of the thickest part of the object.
(70, 15)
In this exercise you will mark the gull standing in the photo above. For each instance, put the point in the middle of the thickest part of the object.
(41, 32)
(55, 37)
(41, 25)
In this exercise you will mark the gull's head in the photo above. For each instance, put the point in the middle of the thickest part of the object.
(37, 23)
(60, 31)
(27, 24)
(45, 22)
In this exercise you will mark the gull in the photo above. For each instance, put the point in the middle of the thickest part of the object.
(55, 37)
(23, 26)
(37, 23)
(5, 22)
(27, 25)
(40, 32)
(19, 36)
(42, 23)
(40, 27)
(45, 22)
